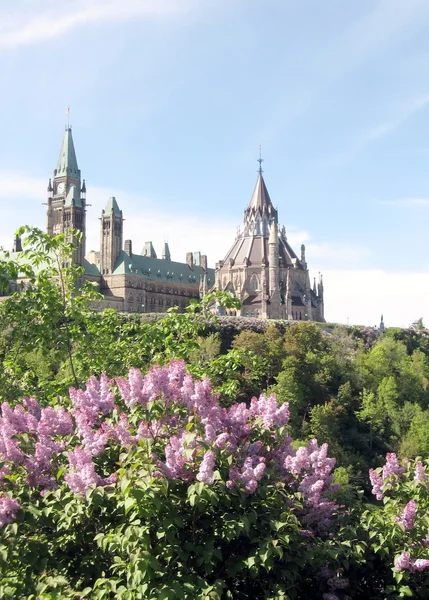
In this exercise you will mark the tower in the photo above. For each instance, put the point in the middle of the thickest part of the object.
(262, 270)
(67, 197)
(110, 236)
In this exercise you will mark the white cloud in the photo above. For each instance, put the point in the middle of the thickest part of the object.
(362, 296)
(44, 21)
(16, 185)
(407, 202)
(402, 114)
(336, 252)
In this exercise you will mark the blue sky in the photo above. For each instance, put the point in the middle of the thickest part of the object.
(170, 100)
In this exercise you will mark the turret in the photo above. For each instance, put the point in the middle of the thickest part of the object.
(303, 255)
(166, 252)
(17, 245)
(273, 258)
(288, 298)
(320, 296)
(110, 236)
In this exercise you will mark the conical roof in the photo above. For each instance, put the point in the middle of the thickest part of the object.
(67, 163)
(112, 206)
(260, 199)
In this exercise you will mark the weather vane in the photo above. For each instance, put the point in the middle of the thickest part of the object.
(260, 160)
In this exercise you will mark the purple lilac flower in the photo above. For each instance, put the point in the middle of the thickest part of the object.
(205, 472)
(408, 515)
(377, 484)
(419, 474)
(403, 561)
(268, 410)
(8, 508)
(419, 564)
(392, 466)
(82, 475)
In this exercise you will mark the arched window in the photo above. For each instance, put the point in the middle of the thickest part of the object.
(254, 283)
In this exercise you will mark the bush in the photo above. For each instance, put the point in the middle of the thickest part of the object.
(148, 488)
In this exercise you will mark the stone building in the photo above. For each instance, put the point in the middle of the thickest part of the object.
(262, 270)
(128, 281)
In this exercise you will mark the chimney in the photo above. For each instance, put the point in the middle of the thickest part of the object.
(190, 260)
(204, 262)
(128, 247)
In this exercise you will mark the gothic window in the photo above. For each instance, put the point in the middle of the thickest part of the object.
(254, 283)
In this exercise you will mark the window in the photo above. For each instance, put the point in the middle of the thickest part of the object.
(254, 283)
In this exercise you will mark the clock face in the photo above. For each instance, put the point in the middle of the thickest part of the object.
(60, 188)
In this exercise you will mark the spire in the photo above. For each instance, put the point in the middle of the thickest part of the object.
(260, 160)
(260, 199)
(112, 207)
(67, 163)
(166, 252)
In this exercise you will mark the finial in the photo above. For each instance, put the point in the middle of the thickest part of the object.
(68, 116)
(260, 160)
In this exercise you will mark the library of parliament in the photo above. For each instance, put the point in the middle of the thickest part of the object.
(260, 269)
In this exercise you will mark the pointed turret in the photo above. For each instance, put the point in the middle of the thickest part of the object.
(112, 207)
(67, 163)
(166, 252)
(260, 211)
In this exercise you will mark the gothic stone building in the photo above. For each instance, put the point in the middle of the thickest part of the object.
(263, 271)
(128, 281)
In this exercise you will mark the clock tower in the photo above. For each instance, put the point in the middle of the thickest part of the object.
(67, 196)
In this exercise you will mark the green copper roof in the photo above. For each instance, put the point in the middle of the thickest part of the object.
(112, 206)
(90, 268)
(157, 269)
(67, 163)
(73, 196)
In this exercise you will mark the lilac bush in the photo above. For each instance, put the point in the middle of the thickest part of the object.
(156, 452)
(398, 529)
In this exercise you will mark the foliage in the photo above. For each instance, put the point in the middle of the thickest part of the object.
(165, 485)
(150, 489)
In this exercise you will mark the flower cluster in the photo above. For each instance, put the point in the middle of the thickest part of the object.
(187, 432)
(408, 515)
(391, 469)
(405, 562)
(394, 483)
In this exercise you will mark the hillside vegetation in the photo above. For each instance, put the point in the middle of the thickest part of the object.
(187, 456)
